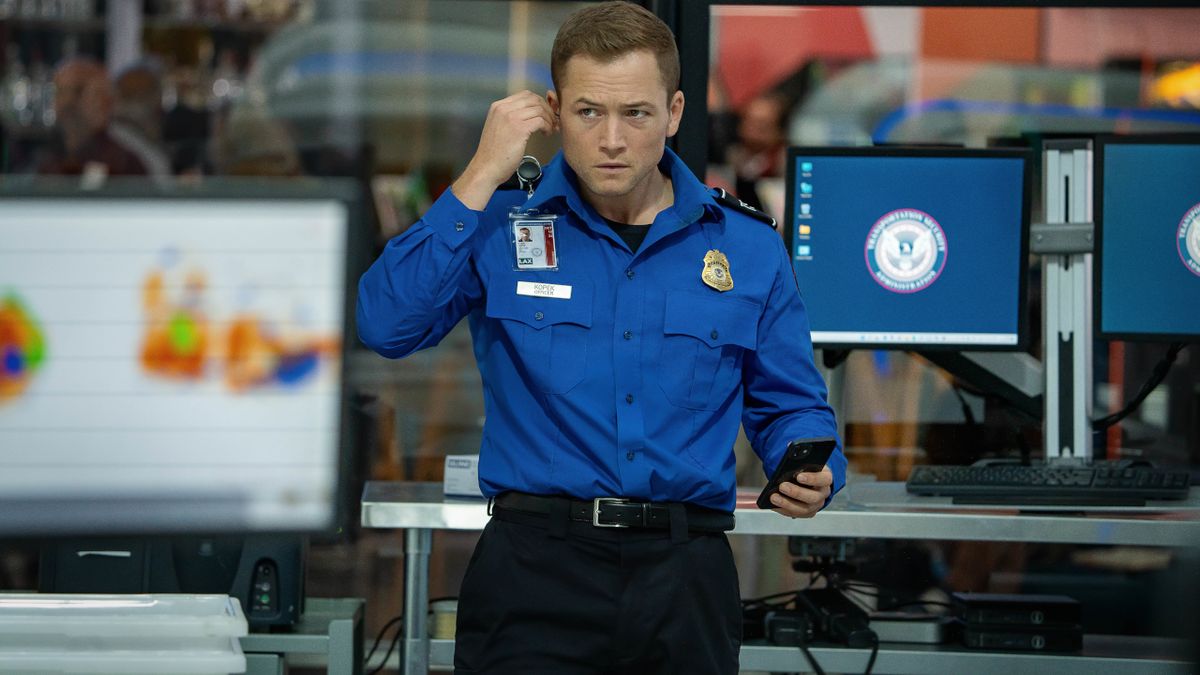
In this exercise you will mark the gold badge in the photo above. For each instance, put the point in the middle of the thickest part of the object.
(716, 271)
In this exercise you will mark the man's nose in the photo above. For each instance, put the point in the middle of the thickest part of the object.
(613, 139)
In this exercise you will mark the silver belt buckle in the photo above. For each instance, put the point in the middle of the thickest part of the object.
(596, 510)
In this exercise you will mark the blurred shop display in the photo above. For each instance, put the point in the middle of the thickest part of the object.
(197, 51)
(410, 81)
(48, 10)
(923, 100)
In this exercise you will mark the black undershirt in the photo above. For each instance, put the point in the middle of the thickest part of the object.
(633, 235)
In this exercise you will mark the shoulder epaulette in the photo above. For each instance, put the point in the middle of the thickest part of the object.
(736, 204)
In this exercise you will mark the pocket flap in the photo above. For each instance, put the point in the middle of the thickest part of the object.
(538, 312)
(715, 320)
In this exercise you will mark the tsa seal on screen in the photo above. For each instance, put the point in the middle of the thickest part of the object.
(1188, 239)
(906, 251)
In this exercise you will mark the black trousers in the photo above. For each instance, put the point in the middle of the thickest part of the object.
(564, 597)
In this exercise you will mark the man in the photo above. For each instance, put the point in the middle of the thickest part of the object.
(618, 369)
(83, 106)
(761, 150)
(137, 118)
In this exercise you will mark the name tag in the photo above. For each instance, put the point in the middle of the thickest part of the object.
(537, 290)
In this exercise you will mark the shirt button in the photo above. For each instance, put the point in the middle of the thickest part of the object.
(539, 316)
(629, 455)
(628, 335)
(714, 335)
(629, 273)
(629, 398)
(458, 227)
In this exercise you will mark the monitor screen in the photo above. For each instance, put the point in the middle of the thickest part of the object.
(1148, 221)
(910, 248)
(171, 364)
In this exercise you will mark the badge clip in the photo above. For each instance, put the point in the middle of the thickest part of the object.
(529, 172)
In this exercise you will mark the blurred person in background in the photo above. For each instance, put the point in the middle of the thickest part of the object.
(761, 148)
(83, 107)
(186, 123)
(247, 142)
(138, 117)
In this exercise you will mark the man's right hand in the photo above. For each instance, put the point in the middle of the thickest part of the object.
(510, 122)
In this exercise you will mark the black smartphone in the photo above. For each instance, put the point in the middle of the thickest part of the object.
(804, 454)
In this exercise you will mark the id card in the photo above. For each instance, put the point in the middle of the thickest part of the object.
(533, 242)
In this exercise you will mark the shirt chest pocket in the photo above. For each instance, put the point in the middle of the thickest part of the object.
(548, 336)
(704, 340)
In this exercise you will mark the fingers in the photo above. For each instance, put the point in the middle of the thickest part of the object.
(526, 112)
(803, 501)
(822, 478)
(506, 131)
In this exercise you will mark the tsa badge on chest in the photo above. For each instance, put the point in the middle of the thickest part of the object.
(716, 271)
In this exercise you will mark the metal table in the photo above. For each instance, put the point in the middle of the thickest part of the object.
(871, 510)
(330, 630)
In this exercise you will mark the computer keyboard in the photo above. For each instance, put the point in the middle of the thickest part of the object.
(1048, 484)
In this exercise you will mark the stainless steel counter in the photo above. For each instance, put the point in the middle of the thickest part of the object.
(868, 509)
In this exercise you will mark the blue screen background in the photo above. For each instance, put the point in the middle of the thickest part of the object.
(977, 202)
(1144, 285)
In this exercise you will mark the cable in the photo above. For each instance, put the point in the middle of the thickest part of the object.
(968, 414)
(763, 599)
(388, 655)
(1156, 378)
(874, 653)
(812, 661)
(378, 638)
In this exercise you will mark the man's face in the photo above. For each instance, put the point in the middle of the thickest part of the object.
(82, 102)
(760, 127)
(615, 119)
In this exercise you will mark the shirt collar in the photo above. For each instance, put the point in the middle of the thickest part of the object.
(692, 198)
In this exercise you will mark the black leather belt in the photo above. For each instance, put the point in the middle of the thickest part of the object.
(616, 512)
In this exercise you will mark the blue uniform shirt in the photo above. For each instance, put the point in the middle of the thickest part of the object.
(634, 386)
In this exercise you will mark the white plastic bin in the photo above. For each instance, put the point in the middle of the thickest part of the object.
(120, 634)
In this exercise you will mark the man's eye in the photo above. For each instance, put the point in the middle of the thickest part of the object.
(637, 114)
(588, 113)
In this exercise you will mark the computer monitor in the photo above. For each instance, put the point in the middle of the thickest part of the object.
(173, 363)
(1147, 213)
(910, 248)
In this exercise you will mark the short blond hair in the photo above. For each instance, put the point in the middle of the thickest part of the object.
(610, 30)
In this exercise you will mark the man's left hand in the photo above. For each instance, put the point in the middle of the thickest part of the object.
(804, 497)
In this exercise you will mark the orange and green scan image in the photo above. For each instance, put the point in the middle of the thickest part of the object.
(177, 332)
(22, 347)
(259, 355)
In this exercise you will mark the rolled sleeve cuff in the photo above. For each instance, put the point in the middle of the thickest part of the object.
(451, 220)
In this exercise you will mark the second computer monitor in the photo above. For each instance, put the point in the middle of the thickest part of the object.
(910, 248)
(1148, 218)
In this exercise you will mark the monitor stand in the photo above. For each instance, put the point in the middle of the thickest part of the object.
(1065, 242)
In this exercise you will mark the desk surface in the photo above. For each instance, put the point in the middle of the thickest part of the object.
(868, 509)
(1101, 654)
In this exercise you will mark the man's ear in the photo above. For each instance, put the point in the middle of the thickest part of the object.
(676, 111)
(552, 99)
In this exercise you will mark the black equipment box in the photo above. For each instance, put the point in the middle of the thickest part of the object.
(1024, 638)
(1018, 610)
